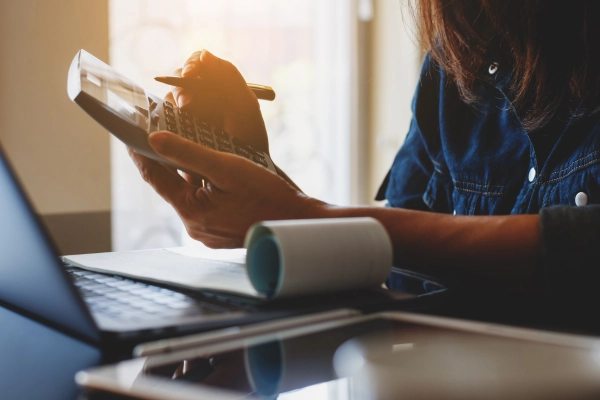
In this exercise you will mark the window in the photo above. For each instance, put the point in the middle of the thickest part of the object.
(304, 49)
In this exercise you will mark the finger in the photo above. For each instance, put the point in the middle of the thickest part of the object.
(170, 186)
(193, 179)
(134, 156)
(179, 95)
(169, 97)
(192, 157)
(198, 100)
(191, 65)
(223, 74)
(209, 107)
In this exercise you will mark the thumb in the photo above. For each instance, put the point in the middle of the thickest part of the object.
(191, 156)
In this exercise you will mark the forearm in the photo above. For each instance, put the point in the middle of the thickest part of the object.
(498, 251)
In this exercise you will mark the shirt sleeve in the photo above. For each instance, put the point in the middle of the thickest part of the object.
(570, 261)
(407, 180)
(410, 173)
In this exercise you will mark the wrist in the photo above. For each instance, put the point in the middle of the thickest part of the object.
(313, 208)
(326, 210)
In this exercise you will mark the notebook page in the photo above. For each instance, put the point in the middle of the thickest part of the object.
(170, 266)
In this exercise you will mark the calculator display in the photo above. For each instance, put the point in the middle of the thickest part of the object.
(120, 94)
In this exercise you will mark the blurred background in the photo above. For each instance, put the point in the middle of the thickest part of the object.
(344, 72)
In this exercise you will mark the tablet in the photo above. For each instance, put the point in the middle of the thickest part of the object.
(381, 356)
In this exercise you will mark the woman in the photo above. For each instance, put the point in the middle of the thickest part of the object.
(504, 122)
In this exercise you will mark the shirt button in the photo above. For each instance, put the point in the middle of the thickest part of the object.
(581, 199)
(531, 174)
(493, 68)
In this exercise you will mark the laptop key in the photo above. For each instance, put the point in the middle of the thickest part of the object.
(103, 290)
(81, 273)
(104, 279)
(137, 291)
(179, 305)
(125, 299)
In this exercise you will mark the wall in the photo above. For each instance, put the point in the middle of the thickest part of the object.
(395, 65)
(61, 155)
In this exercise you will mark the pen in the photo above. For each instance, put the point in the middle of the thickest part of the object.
(260, 91)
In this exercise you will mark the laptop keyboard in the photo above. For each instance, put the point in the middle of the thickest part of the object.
(124, 299)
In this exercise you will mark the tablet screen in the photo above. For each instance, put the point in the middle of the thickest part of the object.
(304, 363)
(381, 358)
(123, 96)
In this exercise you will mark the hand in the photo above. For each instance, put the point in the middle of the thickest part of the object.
(239, 194)
(230, 104)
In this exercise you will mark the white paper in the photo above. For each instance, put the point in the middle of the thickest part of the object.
(328, 255)
(231, 255)
(172, 267)
(316, 256)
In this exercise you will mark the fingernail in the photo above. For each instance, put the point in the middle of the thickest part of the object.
(182, 100)
(157, 140)
(187, 68)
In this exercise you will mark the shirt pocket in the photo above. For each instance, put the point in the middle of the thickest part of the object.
(472, 198)
(578, 188)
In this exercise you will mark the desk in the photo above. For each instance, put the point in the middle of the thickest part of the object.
(37, 362)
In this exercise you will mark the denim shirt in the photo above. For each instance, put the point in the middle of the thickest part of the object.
(479, 160)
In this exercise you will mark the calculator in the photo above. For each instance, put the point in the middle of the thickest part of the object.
(131, 113)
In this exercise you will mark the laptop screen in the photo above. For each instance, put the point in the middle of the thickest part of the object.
(31, 277)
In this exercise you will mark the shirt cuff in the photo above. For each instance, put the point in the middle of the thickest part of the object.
(570, 261)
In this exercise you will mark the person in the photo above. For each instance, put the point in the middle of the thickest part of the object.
(496, 182)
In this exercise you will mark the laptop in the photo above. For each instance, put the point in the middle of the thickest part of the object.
(103, 308)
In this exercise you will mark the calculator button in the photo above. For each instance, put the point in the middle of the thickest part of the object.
(210, 141)
(239, 143)
(201, 123)
(223, 142)
(210, 144)
(169, 113)
(224, 149)
(205, 134)
(168, 105)
(221, 133)
(242, 152)
(172, 128)
(260, 160)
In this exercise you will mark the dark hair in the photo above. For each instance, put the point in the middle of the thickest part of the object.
(553, 48)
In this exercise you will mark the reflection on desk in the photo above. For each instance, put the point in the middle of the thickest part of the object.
(373, 359)
(37, 362)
